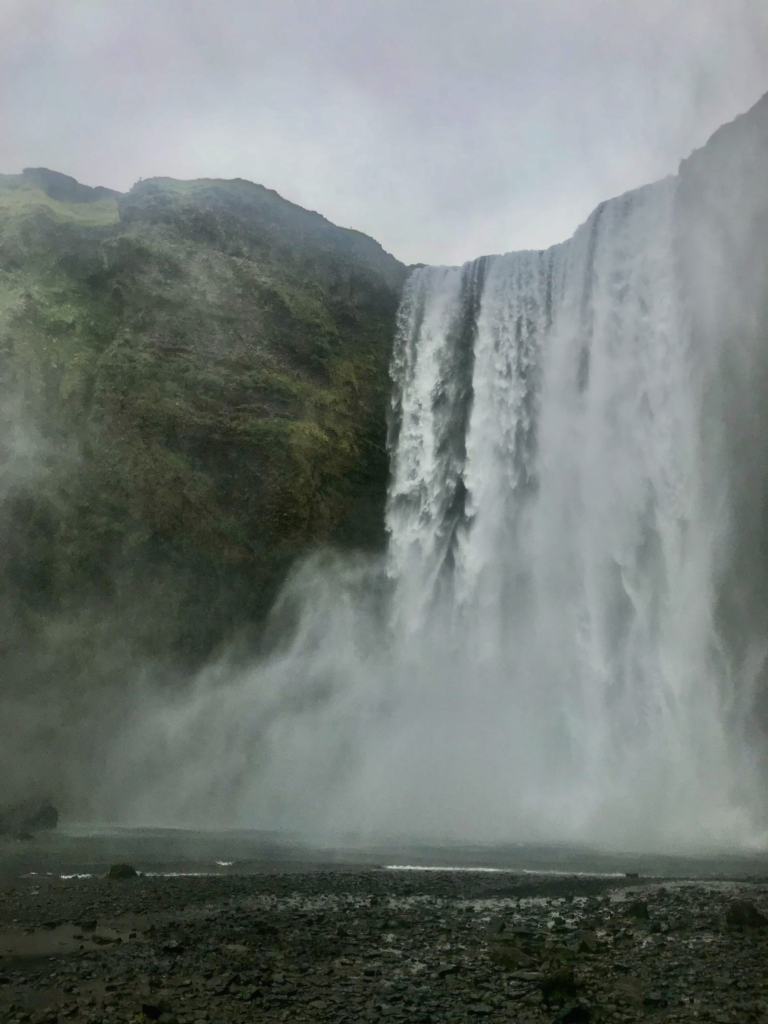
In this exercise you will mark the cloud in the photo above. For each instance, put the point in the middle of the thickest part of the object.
(443, 128)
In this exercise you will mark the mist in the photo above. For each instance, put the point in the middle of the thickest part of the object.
(348, 734)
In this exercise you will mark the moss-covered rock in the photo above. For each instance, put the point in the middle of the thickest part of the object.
(193, 393)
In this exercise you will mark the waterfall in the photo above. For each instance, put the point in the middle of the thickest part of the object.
(566, 639)
(548, 501)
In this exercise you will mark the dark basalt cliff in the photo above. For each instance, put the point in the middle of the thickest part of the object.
(192, 393)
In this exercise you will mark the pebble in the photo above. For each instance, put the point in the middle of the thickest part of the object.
(345, 946)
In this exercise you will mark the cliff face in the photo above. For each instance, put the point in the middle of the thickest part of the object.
(193, 392)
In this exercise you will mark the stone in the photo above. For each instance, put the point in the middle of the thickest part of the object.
(587, 942)
(120, 871)
(629, 990)
(528, 976)
(654, 999)
(440, 968)
(446, 969)
(559, 986)
(511, 959)
(495, 927)
(579, 1012)
(639, 910)
(743, 914)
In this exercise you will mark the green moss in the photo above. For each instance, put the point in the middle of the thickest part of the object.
(20, 198)
(208, 379)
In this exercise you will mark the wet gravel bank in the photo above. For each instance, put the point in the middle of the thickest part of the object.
(370, 945)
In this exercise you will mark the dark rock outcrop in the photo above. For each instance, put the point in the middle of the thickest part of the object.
(743, 914)
(27, 818)
(121, 871)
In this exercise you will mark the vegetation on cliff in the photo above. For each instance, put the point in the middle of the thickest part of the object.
(193, 393)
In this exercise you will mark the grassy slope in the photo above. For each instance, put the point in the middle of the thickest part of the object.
(20, 197)
(193, 393)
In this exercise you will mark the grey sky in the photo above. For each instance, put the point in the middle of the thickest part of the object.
(444, 128)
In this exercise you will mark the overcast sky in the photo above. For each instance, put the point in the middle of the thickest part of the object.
(444, 128)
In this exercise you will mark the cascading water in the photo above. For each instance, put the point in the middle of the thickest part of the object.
(547, 500)
(567, 639)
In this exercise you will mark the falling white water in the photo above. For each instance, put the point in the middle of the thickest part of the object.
(539, 659)
(550, 504)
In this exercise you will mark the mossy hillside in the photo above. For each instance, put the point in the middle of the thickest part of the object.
(19, 195)
(205, 376)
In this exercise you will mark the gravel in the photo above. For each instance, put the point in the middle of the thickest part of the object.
(348, 946)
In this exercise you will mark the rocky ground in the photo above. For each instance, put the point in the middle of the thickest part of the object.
(362, 945)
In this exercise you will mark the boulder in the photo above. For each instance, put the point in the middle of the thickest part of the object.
(559, 987)
(118, 871)
(579, 1012)
(495, 928)
(743, 914)
(639, 910)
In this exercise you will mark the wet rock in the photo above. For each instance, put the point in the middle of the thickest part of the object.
(438, 963)
(587, 942)
(509, 958)
(629, 990)
(743, 914)
(220, 986)
(120, 871)
(447, 969)
(559, 986)
(496, 926)
(639, 910)
(579, 1012)
(654, 999)
(528, 976)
